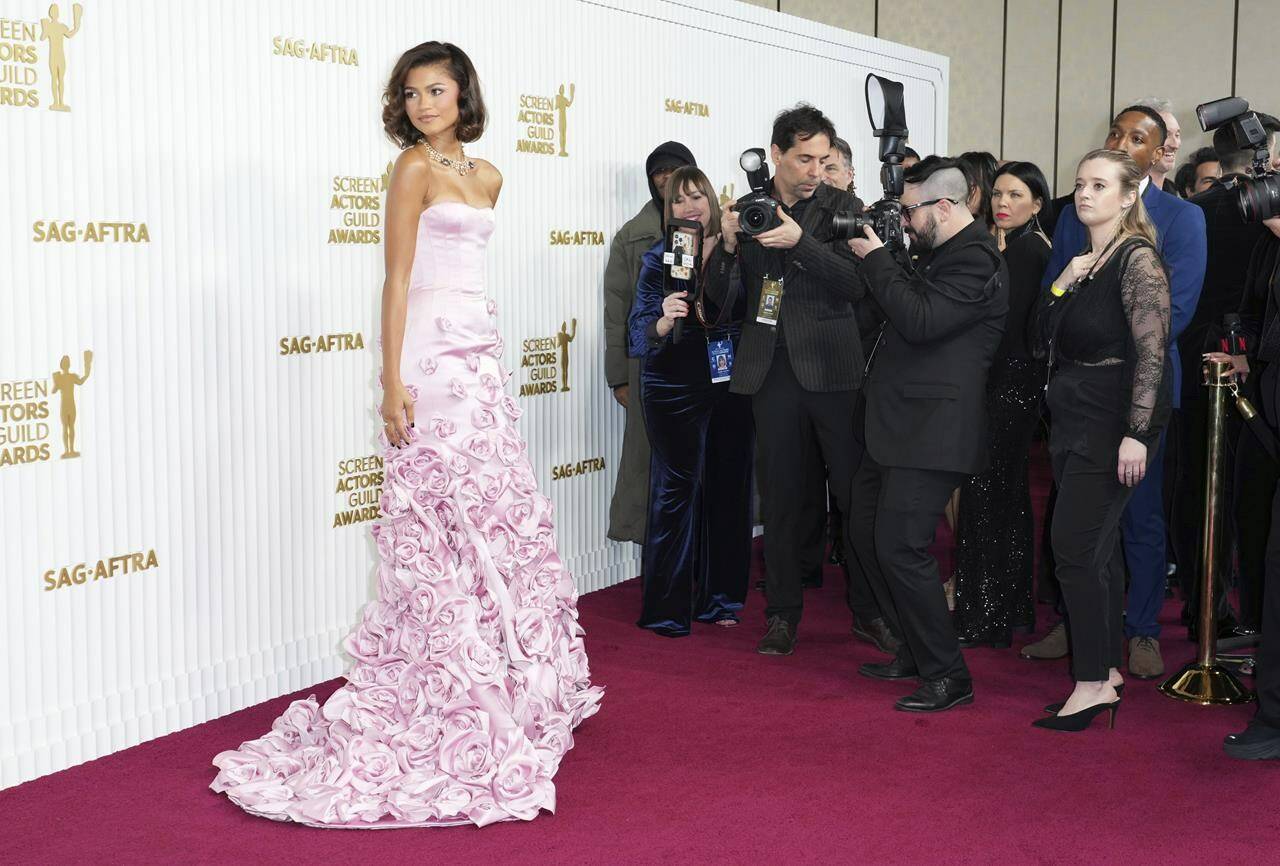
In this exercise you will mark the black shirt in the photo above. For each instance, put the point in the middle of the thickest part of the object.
(1026, 254)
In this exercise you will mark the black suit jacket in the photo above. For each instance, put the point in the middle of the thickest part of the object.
(1231, 241)
(819, 287)
(927, 394)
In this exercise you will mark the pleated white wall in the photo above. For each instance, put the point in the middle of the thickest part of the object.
(203, 448)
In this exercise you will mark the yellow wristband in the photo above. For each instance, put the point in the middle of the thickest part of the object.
(1055, 291)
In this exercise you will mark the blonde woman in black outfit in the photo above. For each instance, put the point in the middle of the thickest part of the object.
(1106, 327)
(994, 532)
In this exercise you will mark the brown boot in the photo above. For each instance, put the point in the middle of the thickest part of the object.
(1051, 646)
(1145, 662)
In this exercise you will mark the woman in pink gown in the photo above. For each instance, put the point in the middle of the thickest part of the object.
(469, 670)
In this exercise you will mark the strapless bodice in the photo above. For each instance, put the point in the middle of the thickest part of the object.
(449, 254)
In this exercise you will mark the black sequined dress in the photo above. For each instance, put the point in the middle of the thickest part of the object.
(995, 539)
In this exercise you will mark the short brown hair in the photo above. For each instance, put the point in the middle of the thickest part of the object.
(471, 113)
(691, 176)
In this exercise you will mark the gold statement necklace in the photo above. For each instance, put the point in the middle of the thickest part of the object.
(461, 165)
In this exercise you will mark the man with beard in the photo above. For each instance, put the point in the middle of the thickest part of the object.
(926, 418)
(1140, 132)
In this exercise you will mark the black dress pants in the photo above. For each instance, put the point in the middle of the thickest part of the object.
(1256, 476)
(796, 430)
(1267, 681)
(892, 522)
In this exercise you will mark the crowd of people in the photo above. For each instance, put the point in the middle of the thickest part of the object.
(875, 392)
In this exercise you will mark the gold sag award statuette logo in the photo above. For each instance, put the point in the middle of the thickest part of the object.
(19, 57)
(546, 370)
(84, 572)
(679, 106)
(726, 195)
(359, 489)
(544, 122)
(572, 470)
(25, 432)
(323, 52)
(358, 200)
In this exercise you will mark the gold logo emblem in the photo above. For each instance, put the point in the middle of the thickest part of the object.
(545, 361)
(359, 489)
(545, 122)
(56, 34)
(26, 432)
(726, 195)
(572, 470)
(358, 203)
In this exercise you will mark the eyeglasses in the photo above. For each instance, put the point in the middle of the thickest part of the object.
(907, 209)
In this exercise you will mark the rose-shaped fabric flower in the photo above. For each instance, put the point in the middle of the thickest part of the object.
(457, 388)
(511, 407)
(452, 800)
(510, 451)
(459, 464)
(298, 722)
(428, 366)
(483, 418)
(389, 674)
(429, 566)
(473, 362)
(411, 529)
(412, 391)
(413, 641)
(285, 766)
(468, 757)
(444, 323)
(422, 601)
(437, 481)
(479, 446)
(370, 763)
(404, 473)
(440, 686)
(555, 738)
(407, 550)
(492, 485)
(491, 307)
(376, 699)
(519, 785)
(533, 631)
(480, 662)
(238, 768)
(443, 427)
(392, 503)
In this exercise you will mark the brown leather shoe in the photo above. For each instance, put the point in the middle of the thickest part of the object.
(1051, 646)
(779, 640)
(876, 632)
(1145, 662)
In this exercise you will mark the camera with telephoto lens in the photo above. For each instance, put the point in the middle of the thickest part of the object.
(757, 210)
(888, 124)
(1258, 197)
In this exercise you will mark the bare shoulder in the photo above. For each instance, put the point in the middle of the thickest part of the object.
(487, 173)
(410, 177)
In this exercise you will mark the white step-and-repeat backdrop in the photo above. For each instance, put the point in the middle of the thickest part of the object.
(191, 256)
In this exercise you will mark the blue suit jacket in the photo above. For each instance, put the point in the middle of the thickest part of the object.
(1181, 241)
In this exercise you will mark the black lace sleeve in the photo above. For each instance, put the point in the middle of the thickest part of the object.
(1144, 292)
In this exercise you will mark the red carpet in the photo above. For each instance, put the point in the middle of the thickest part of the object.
(707, 752)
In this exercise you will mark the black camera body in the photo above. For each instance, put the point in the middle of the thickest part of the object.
(757, 210)
(1258, 197)
(889, 125)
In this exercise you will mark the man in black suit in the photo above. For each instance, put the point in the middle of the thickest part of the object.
(801, 361)
(926, 418)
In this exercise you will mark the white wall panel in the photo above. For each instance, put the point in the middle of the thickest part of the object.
(198, 440)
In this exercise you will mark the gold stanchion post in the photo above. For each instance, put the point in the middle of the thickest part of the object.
(1204, 681)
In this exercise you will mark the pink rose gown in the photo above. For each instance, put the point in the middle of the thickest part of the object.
(469, 671)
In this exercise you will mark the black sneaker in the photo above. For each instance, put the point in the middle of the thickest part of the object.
(1258, 742)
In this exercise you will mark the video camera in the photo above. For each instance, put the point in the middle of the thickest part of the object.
(1258, 197)
(889, 124)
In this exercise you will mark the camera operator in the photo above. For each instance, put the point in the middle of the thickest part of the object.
(801, 361)
(1261, 739)
(926, 417)
(1231, 241)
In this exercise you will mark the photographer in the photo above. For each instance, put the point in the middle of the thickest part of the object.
(1261, 739)
(801, 361)
(697, 547)
(926, 417)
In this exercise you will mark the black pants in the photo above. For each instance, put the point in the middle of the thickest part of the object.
(1090, 559)
(892, 521)
(1256, 476)
(795, 430)
(1267, 681)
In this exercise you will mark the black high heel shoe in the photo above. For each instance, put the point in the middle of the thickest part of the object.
(1057, 708)
(1081, 720)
